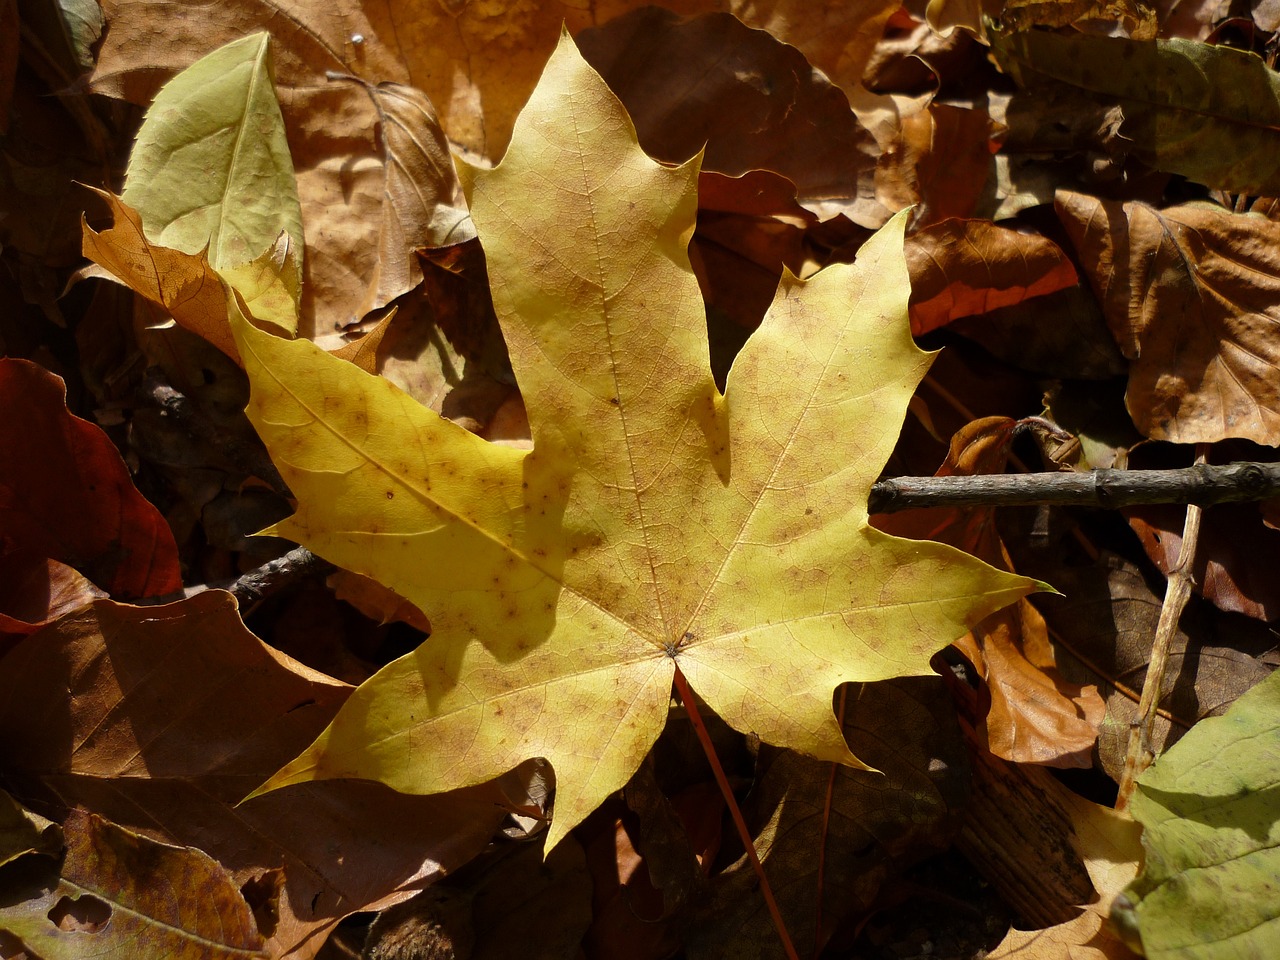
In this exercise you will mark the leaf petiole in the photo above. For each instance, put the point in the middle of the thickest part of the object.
(704, 738)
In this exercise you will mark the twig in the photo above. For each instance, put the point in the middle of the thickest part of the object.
(1177, 591)
(704, 738)
(298, 564)
(1202, 484)
(250, 457)
(260, 582)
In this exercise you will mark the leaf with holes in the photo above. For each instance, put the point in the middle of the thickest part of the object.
(656, 525)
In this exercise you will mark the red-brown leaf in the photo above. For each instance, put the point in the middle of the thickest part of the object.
(66, 494)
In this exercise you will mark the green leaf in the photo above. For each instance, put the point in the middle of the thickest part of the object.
(211, 166)
(1211, 812)
(1209, 113)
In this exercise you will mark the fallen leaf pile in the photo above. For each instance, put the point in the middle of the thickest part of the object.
(569, 342)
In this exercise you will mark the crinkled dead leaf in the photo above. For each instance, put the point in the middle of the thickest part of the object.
(1210, 113)
(364, 351)
(66, 494)
(1087, 937)
(1061, 334)
(1212, 839)
(1117, 18)
(35, 591)
(476, 63)
(341, 176)
(23, 832)
(1229, 569)
(422, 203)
(656, 524)
(121, 894)
(1192, 296)
(1034, 714)
(750, 229)
(1107, 843)
(948, 161)
(964, 267)
(1102, 627)
(375, 601)
(185, 284)
(177, 712)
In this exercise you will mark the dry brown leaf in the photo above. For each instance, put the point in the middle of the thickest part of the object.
(177, 714)
(35, 591)
(121, 894)
(1108, 843)
(65, 492)
(184, 284)
(1117, 18)
(1104, 624)
(24, 832)
(477, 63)
(1236, 556)
(1085, 938)
(945, 16)
(750, 100)
(364, 352)
(331, 126)
(375, 601)
(1192, 296)
(422, 204)
(953, 171)
(1036, 715)
(749, 229)
(964, 267)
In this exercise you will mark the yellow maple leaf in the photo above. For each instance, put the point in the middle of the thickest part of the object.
(655, 525)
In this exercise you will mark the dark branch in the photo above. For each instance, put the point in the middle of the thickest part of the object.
(1204, 485)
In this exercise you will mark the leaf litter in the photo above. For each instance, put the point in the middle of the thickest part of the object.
(932, 122)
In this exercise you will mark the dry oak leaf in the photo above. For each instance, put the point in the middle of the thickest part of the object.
(185, 284)
(656, 525)
(1192, 296)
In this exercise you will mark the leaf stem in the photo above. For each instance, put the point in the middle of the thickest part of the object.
(826, 824)
(704, 738)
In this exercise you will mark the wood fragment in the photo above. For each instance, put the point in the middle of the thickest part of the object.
(1202, 485)
(1141, 752)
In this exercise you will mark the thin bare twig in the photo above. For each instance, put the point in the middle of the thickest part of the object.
(1177, 591)
(1202, 484)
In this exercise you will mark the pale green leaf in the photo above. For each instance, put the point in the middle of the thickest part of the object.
(211, 166)
(1210, 809)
